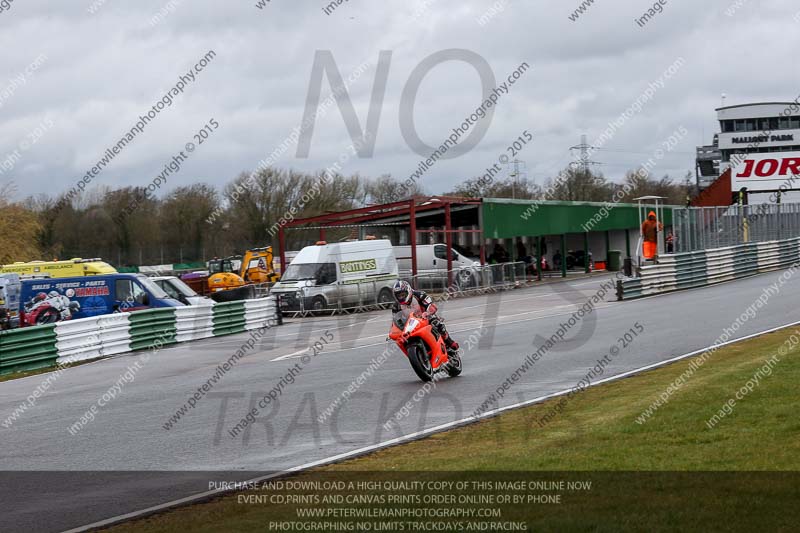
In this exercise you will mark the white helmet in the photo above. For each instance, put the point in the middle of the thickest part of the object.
(403, 292)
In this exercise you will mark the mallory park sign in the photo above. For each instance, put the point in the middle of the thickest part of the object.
(759, 139)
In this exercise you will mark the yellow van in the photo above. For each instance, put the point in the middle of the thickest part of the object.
(69, 268)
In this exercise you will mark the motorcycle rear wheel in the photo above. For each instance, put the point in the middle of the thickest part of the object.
(50, 316)
(420, 361)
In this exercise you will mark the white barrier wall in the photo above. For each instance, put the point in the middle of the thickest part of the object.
(102, 336)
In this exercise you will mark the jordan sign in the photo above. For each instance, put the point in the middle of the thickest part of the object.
(766, 172)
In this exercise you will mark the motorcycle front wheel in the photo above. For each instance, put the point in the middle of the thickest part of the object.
(420, 362)
(454, 366)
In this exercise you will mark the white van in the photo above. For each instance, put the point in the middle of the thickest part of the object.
(432, 266)
(177, 289)
(9, 301)
(350, 273)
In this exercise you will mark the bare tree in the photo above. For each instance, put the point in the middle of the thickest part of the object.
(385, 189)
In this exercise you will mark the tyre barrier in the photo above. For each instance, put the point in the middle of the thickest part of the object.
(698, 269)
(71, 341)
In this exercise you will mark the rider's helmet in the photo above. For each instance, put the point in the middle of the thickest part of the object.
(39, 297)
(402, 292)
(53, 294)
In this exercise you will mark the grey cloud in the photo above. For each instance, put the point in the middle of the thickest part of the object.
(103, 70)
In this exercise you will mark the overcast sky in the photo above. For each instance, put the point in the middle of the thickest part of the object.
(98, 72)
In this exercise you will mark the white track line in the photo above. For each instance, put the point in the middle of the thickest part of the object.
(409, 437)
(293, 354)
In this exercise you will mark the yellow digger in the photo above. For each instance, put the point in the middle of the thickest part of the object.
(222, 275)
(257, 266)
(254, 267)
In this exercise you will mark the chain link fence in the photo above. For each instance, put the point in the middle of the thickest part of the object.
(474, 279)
(702, 228)
(371, 295)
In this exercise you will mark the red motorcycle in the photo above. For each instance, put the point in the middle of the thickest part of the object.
(423, 345)
(47, 309)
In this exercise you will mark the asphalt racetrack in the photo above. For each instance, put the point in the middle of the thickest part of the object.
(97, 472)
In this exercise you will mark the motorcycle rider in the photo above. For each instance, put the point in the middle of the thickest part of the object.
(60, 303)
(405, 295)
(35, 302)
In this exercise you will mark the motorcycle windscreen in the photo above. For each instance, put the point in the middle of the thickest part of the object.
(401, 317)
(411, 325)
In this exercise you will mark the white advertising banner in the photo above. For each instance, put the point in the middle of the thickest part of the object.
(760, 139)
(767, 172)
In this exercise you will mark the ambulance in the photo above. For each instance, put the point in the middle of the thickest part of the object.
(69, 268)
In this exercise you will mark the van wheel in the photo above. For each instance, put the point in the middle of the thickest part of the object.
(318, 303)
(385, 297)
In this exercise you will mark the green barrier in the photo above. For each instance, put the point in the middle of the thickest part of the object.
(26, 349)
(189, 266)
(153, 327)
(175, 267)
(229, 318)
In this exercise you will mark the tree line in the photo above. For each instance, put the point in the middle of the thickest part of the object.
(200, 221)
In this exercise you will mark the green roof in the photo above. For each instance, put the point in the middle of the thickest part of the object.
(564, 203)
(505, 218)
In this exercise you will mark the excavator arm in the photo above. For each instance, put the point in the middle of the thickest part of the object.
(257, 266)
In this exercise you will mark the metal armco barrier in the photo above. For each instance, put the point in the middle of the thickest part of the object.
(477, 279)
(149, 326)
(90, 338)
(194, 322)
(698, 269)
(260, 313)
(27, 349)
(229, 318)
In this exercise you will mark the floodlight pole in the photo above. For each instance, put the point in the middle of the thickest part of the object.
(412, 215)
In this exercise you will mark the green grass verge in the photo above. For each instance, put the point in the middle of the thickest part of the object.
(39, 371)
(597, 437)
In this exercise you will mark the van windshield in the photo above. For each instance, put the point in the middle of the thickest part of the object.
(181, 287)
(150, 286)
(322, 273)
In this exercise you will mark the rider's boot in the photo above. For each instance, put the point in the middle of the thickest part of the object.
(451, 344)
